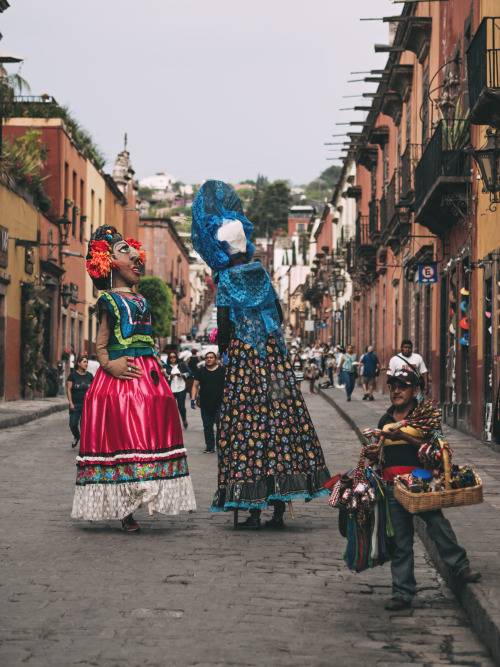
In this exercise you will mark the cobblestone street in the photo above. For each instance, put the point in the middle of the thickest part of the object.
(190, 590)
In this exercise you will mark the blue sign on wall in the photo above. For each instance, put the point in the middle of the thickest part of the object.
(427, 273)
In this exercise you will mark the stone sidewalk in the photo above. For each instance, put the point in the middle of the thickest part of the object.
(477, 527)
(190, 590)
(15, 413)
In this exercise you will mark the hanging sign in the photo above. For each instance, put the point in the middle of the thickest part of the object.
(427, 273)
(337, 315)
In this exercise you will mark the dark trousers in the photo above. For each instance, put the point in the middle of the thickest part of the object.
(210, 418)
(350, 381)
(75, 417)
(180, 397)
(279, 510)
(402, 560)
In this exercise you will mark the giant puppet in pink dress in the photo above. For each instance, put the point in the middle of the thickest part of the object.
(131, 448)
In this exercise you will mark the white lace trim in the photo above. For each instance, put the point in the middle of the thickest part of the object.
(136, 455)
(116, 501)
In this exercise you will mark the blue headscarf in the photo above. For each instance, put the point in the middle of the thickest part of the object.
(214, 203)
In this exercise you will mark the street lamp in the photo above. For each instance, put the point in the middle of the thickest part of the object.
(340, 285)
(488, 161)
(66, 295)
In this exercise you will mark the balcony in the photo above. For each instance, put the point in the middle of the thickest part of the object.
(364, 247)
(409, 161)
(442, 177)
(483, 64)
(374, 220)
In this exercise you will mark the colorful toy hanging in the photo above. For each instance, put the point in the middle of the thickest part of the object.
(360, 497)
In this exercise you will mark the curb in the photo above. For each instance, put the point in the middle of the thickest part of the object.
(18, 420)
(471, 598)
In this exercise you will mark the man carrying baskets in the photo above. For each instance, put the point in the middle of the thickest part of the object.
(400, 456)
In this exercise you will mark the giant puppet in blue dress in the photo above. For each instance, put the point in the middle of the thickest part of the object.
(268, 450)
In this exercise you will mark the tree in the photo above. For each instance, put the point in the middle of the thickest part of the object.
(160, 302)
(268, 209)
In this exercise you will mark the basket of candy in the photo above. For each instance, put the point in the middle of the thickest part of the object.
(444, 486)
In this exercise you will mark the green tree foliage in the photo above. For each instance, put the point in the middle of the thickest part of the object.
(160, 301)
(146, 193)
(23, 159)
(268, 209)
(34, 302)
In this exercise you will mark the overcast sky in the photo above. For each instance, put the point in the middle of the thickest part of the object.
(221, 89)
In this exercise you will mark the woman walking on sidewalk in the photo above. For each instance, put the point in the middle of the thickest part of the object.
(177, 374)
(131, 450)
(268, 449)
(347, 369)
(77, 385)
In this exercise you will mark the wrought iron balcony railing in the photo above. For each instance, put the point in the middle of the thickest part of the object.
(363, 231)
(483, 65)
(442, 175)
(374, 219)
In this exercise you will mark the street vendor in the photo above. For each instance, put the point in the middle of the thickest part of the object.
(399, 457)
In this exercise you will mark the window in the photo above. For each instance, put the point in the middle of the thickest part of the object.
(301, 227)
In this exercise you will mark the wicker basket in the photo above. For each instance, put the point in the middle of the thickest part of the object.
(415, 503)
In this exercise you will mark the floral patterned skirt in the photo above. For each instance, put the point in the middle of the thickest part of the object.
(268, 448)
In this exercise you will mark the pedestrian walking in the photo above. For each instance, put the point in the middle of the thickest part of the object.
(131, 449)
(209, 381)
(410, 359)
(192, 363)
(311, 374)
(77, 385)
(339, 352)
(268, 449)
(401, 457)
(347, 370)
(330, 367)
(177, 374)
(370, 370)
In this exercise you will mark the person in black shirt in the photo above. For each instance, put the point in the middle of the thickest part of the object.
(210, 380)
(77, 384)
(400, 456)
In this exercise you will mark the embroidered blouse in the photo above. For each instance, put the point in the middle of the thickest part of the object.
(130, 322)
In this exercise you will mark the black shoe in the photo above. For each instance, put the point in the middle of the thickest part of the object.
(250, 524)
(208, 451)
(370, 398)
(348, 399)
(397, 604)
(468, 576)
(275, 524)
(75, 442)
(130, 525)
(365, 397)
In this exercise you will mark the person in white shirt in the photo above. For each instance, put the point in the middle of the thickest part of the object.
(409, 360)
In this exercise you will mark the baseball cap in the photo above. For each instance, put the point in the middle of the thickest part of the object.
(194, 351)
(405, 376)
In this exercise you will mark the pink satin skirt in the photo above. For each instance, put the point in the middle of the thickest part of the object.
(130, 416)
(131, 449)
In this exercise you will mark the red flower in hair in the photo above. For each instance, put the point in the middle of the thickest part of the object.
(137, 245)
(99, 265)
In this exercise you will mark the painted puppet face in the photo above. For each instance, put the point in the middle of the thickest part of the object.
(127, 260)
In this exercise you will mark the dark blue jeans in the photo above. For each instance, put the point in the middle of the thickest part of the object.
(350, 381)
(210, 419)
(180, 397)
(75, 417)
(402, 560)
